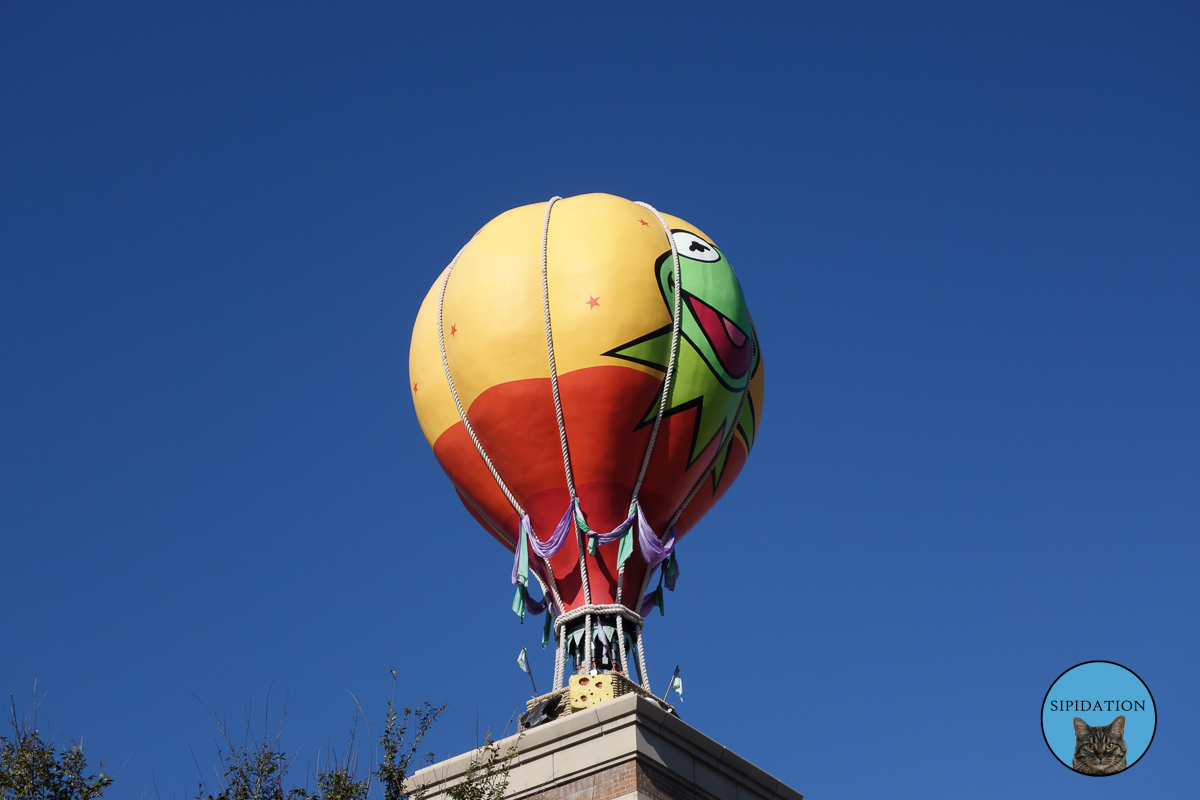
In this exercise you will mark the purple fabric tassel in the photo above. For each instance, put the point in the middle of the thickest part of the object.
(647, 604)
(547, 549)
(552, 545)
(654, 551)
(535, 607)
(613, 535)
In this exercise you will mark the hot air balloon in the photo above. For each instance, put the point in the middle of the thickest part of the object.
(586, 412)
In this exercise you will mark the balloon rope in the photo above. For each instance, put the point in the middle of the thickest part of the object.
(641, 654)
(562, 429)
(558, 412)
(726, 443)
(474, 439)
(454, 392)
(588, 644)
(621, 645)
(667, 379)
(663, 401)
(553, 590)
(560, 658)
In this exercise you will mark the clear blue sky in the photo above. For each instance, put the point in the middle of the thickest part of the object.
(969, 237)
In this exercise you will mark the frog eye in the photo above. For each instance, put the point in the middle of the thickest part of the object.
(693, 247)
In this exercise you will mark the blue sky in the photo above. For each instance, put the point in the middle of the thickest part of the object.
(969, 239)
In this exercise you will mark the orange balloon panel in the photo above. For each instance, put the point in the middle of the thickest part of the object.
(611, 286)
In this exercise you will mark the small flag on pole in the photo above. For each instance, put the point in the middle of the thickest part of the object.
(523, 663)
(675, 686)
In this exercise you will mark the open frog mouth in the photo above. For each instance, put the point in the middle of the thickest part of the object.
(731, 343)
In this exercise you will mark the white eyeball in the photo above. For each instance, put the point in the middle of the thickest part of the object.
(692, 246)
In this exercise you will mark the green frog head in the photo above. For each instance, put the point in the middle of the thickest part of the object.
(718, 351)
(716, 321)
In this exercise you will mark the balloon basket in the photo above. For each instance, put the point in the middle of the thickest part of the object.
(559, 703)
(599, 639)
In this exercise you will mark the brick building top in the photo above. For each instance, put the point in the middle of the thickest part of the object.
(624, 749)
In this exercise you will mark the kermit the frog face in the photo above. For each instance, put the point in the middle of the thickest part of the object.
(715, 319)
(718, 352)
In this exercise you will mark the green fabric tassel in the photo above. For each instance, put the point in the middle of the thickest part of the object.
(671, 570)
(659, 596)
(625, 550)
(582, 526)
(546, 630)
(523, 556)
(518, 603)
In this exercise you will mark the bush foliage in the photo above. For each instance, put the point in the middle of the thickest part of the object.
(257, 768)
(34, 769)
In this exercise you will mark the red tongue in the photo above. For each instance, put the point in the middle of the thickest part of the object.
(728, 340)
(736, 336)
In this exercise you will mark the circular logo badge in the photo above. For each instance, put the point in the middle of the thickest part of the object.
(1098, 718)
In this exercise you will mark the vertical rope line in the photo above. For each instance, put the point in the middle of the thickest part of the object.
(587, 586)
(621, 644)
(560, 657)
(587, 637)
(641, 653)
(471, 431)
(645, 586)
(668, 378)
(553, 585)
(541, 583)
(562, 428)
(558, 412)
(454, 392)
(726, 443)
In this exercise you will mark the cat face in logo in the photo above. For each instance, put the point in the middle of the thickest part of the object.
(1099, 750)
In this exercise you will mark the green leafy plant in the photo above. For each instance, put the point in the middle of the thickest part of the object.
(252, 770)
(257, 768)
(32, 768)
(393, 769)
(487, 775)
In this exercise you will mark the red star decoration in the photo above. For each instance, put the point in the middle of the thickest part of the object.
(592, 301)
(647, 224)
(453, 329)
(414, 387)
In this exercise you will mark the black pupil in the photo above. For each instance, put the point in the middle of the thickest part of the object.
(697, 246)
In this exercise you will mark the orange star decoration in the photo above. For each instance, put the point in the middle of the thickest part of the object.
(592, 301)
(453, 329)
(647, 224)
(414, 387)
